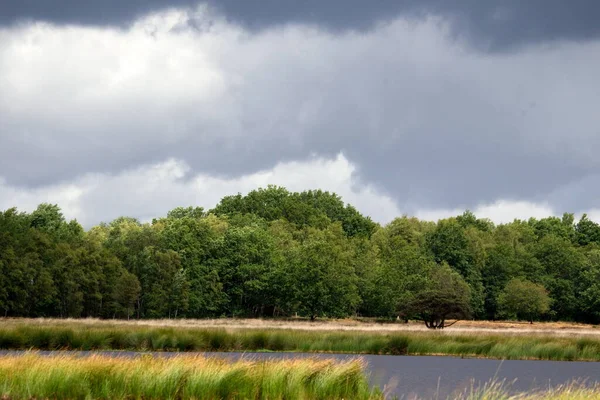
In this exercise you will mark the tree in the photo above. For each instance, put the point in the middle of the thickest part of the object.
(324, 279)
(188, 232)
(459, 242)
(444, 295)
(589, 287)
(401, 269)
(587, 231)
(562, 265)
(314, 208)
(126, 294)
(523, 299)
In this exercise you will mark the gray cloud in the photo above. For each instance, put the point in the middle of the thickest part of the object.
(490, 25)
(422, 115)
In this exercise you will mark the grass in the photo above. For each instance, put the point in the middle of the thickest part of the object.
(499, 391)
(32, 376)
(182, 377)
(78, 336)
(348, 324)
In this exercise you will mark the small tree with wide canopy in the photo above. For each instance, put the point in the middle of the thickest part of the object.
(445, 295)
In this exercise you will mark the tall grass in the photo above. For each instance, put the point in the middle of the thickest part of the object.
(500, 391)
(126, 337)
(181, 377)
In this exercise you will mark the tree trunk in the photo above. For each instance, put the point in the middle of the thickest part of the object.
(435, 323)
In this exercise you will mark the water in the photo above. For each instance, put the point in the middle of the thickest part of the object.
(432, 377)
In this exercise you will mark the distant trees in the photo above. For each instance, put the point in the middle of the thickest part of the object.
(274, 252)
(311, 208)
(524, 300)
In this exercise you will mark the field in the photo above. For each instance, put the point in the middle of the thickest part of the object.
(551, 343)
(366, 325)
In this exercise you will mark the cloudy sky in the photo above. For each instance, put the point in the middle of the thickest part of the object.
(418, 107)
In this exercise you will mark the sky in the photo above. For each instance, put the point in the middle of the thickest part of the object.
(423, 108)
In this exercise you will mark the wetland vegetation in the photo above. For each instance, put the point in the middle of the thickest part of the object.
(104, 336)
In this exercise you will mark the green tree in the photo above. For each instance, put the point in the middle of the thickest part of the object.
(523, 299)
(589, 287)
(562, 265)
(195, 239)
(126, 294)
(314, 208)
(587, 231)
(402, 266)
(325, 282)
(444, 295)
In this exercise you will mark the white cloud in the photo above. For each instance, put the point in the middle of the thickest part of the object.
(433, 122)
(150, 191)
(504, 211)
(501, 211)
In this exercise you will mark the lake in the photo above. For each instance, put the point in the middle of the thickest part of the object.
(428, 376)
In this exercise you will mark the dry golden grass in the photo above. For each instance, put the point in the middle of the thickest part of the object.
(460, 327)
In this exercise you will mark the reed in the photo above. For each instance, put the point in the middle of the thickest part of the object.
(182, 377)
(51, 336)
(500, 391)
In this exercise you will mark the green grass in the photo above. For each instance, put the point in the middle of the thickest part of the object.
(51, 336)
(31, 376)
(182, 377)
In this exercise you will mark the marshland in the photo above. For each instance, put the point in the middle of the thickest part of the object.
(251, 276)
(106, 335)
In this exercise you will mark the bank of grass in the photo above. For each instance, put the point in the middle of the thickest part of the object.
(139, 338)
(182, 377)
(499, 391)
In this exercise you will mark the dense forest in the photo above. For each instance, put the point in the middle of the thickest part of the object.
(278, 253)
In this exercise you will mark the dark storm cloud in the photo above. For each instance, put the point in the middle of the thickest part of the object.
(490, 25)
(422, 116)
(86, 12)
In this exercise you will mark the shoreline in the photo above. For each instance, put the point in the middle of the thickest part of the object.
(106, 335)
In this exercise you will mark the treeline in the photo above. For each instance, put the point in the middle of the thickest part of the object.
(277, 253)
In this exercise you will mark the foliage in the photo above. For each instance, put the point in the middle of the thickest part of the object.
(274, 252)
(444, 295)
(523, 299)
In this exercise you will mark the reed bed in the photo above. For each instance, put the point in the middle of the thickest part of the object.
(102, 337)
(500, 391)
(183, 377)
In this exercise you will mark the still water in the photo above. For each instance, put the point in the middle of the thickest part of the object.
(430, 377)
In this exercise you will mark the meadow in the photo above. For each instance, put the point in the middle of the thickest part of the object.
(93, 335)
